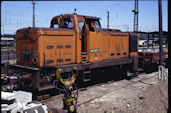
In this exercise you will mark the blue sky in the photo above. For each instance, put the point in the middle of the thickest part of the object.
(18, 14)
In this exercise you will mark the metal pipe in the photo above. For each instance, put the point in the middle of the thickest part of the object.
(160, 31)
(135, 11)
(108, 20)
(33, 13)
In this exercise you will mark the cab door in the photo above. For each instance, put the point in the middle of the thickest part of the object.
(84, 39)
(95, 40)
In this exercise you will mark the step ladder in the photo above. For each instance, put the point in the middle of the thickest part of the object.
(86, 72)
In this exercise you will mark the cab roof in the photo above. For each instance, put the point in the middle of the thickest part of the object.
(71, 15)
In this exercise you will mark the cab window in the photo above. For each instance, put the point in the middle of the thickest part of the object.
(63, 23)
(81, 25)
(68, 23)
(93, 25)
(89, 22)
(55, 24)
(97, 24)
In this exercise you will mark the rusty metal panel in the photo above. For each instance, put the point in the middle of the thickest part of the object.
(106, 46)
(63, 48)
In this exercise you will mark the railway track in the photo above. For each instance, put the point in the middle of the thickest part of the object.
(126, 85)
(48, 94)
(54, 92)
(98, 89)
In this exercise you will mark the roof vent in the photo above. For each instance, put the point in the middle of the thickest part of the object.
(75, 9)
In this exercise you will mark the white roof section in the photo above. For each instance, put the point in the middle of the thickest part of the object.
(20, 96)
(6, 38)
(8, 96)
(23, 96)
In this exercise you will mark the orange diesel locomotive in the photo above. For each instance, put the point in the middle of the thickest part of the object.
(72, 41)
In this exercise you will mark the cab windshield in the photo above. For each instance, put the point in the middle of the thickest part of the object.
(62, 23)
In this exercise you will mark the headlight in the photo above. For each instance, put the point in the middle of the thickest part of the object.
(34, 58)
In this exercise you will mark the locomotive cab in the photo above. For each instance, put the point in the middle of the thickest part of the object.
(85, 27)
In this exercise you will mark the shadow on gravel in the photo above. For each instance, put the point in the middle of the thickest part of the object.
(105, 75)
(98, 76)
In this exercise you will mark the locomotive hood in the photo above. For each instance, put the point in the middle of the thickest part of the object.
(32, 33)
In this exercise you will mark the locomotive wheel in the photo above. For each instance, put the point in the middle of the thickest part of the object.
(25, 85)
(79, 79)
